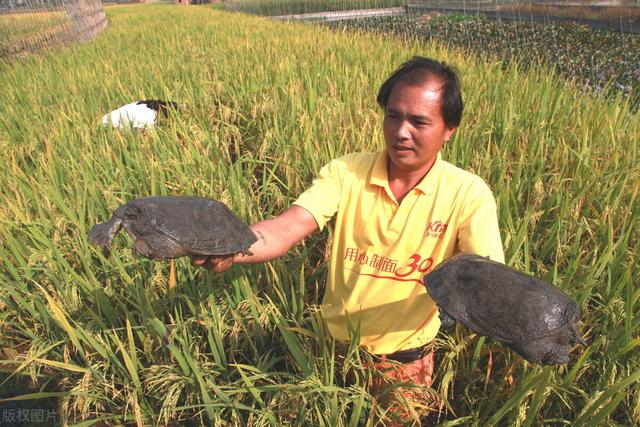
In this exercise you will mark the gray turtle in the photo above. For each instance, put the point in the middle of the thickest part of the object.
(173, 227)
(532, 317)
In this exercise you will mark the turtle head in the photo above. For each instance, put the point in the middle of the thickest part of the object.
(102, 234)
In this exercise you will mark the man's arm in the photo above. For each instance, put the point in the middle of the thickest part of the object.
(275, 237)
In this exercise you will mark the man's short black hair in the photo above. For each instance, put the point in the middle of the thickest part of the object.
(419, 69)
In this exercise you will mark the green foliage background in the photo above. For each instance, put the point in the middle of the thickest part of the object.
(265, 105)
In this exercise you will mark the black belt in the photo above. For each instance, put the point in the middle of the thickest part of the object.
(404, 356)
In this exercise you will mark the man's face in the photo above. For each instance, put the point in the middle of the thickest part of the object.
(414, 129)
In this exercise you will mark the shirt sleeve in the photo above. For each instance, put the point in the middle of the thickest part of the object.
(323, 197)
(479, 232)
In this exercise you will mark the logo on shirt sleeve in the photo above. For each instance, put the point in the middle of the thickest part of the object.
(436, 229)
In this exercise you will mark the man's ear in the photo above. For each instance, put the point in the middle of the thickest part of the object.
(448, 133)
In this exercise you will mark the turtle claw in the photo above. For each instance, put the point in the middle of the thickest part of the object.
(106, 252)
(445, 320)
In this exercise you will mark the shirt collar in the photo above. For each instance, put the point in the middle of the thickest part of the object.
(380, 177)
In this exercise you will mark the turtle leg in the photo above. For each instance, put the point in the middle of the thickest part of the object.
(556, 357)
(142, 248)
(445, 320)
(544, 351)
(102, 234)
(156, 248)
(576, 337)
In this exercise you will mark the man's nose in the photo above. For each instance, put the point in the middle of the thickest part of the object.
(402, 131)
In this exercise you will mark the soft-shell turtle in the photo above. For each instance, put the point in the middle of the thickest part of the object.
(172, 227)
(532, 317)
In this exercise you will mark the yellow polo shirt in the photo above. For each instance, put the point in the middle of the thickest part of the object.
(382, 249)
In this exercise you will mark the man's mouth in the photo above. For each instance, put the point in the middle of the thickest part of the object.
(401, 148)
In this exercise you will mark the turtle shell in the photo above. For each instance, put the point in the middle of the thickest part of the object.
(170, 227)
(495, 300)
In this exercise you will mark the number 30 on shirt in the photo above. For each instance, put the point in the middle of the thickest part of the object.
(416, 263)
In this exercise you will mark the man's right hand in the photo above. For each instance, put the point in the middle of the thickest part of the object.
(213, 263)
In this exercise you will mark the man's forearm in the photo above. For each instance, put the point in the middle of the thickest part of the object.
(276, 236)
(266, 248)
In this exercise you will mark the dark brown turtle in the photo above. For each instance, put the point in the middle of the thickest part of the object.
(173, 227)
(532, 317)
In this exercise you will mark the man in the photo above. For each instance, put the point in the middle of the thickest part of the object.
(400, 213)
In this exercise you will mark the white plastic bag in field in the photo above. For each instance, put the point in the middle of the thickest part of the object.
(137, 115)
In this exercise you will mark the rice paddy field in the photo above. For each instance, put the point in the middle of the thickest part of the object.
(126, 341)
(23, 30)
